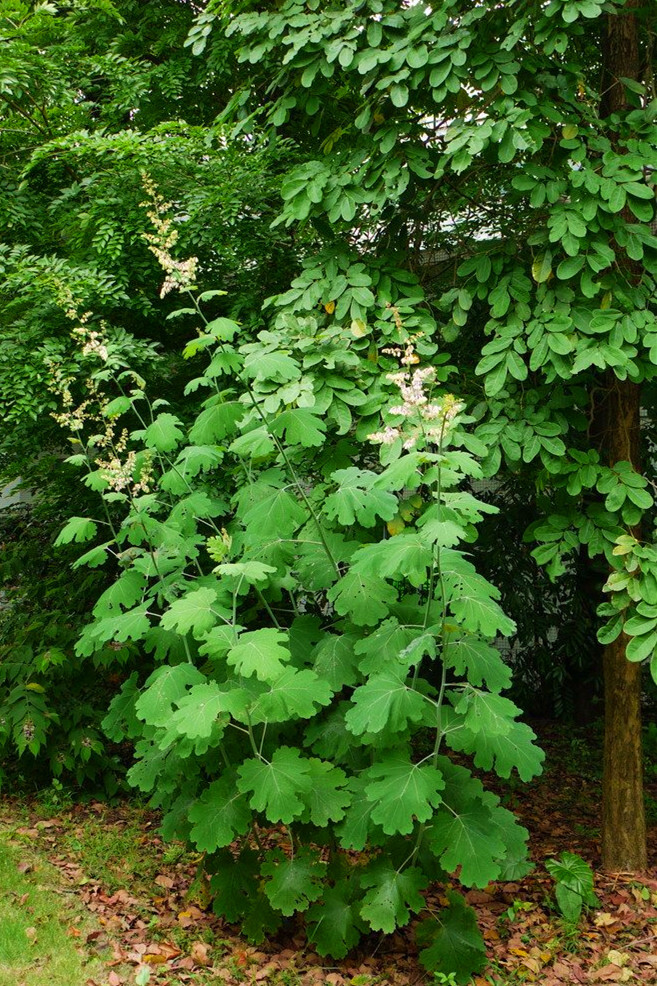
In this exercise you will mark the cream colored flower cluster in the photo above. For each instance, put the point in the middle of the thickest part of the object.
(93, 343)
(427, 421)
(119, 474)
(119, 466)
(180, 274)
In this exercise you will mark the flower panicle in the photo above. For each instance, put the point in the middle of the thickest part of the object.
(426, 421)
(180, 274)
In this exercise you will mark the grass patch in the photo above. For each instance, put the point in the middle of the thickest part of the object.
(114, 856)
(119, 850)
(38, 925)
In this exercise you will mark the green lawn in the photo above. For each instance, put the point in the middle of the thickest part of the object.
(38, 946)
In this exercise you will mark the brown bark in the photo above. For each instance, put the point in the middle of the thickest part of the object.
(623, 814)
(620, 57)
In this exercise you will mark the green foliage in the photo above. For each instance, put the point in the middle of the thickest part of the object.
(456, 942)
(574, 885)
(91, 98)
(50, 709)
(300, 651)
(457, 207)
(525, 268)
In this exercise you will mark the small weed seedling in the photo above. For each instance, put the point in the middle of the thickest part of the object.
(444, 979)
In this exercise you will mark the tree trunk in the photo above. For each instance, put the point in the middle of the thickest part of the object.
(623, 814)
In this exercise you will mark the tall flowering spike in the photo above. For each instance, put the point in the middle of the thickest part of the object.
(180, 274)
(426, 422)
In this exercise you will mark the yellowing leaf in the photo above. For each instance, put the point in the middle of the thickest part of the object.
(569, 131)
(329, 307)
(625, 544)
(395, 526)
(542, 268)
(358, 328)
(32, 686)
(604, 919)
(606, 300)
(618, 958)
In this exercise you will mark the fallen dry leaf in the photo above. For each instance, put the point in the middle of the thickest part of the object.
(169, 950)
(199, 953)
(609, 973)
(190, 916)
(603, 919)
(155, 958)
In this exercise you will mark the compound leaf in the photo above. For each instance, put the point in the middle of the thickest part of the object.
(199, 710)
(164, 687)
(76, 529)
(502, 752)
(357, 500)
(386, 701)
(219, 815)
(261, 653)
(299, 426)
(295, 883)
(402, 556)
(164, 434)
(278, 788)
(232, 882)
(335, 661)
(365, 598)
(455, 942)
(328, 797)
(478, 660)
(392, 896)
(462, 835)
(277, 512)
(402, 792)
(334, 923)
(193, 612)
(293, 694)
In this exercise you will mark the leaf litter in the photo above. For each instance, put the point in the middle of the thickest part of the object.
(155, 925)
